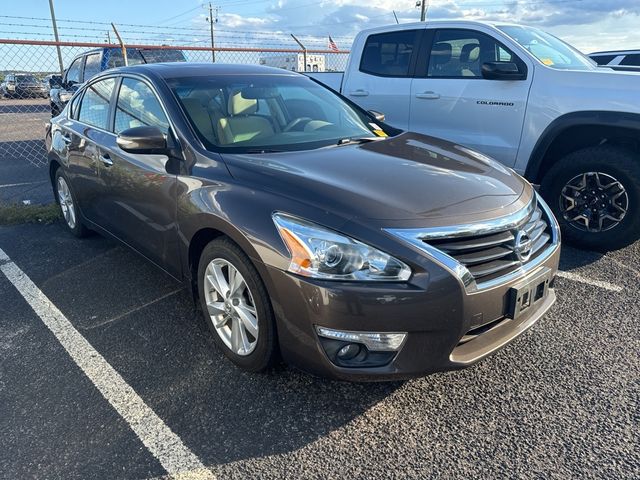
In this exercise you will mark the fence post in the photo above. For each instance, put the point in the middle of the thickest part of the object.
(122, 45)
(304, 51)
(55, 35)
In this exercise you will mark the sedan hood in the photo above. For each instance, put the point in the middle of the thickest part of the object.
(408, 177)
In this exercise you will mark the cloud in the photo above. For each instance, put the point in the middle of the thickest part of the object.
(573, 20)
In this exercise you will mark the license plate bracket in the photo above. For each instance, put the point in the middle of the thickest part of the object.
(528, 293)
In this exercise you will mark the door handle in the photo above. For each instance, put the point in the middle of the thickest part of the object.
(359, 93)
(428, 95)
(106, 159)
(65, 139)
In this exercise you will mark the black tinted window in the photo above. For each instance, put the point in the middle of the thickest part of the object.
(389, 54)
(116, 59)
(633, 59)
(138, 106)
(461, 53)
(73, 74)
(94, 109)
(603, 59)
(91, 66)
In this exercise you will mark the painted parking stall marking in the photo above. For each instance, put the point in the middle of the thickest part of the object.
(179, 462)
(589, 281)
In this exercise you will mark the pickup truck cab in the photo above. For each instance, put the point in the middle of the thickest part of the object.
(521, 96)
(88, 64)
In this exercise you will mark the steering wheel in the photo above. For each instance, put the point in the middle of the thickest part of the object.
(296, 123)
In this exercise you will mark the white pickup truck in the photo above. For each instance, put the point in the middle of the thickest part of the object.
(521, 96)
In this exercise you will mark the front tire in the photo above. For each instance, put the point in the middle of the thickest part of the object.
(595, 195)
(236, 306)
(68, 205)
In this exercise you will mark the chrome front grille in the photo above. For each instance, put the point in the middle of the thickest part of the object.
(495, 254)
(484, 254)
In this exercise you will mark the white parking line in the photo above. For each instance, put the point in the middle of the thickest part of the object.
(179, 462)
(596, 283)
(6, 185)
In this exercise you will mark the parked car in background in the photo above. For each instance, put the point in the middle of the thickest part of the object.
(518, 95)
(18, 85)
(92, 62)
(614, 59)
(304, 226)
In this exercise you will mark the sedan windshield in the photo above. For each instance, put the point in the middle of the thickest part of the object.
(26, 79)
(548, 49)
(253, 113)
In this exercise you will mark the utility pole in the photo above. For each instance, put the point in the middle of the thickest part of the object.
(55, 35)
(424, 5)
(211, 21)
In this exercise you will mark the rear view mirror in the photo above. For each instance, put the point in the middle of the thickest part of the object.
(377, 115)
(143, 140)
(502, 71)
(55, 81)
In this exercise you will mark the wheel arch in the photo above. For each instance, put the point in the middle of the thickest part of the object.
(54, 165)
(211, 228)
(577, 130)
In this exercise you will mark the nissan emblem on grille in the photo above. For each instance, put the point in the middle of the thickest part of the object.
(523, 246)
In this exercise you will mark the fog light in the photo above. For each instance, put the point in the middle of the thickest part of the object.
(349, 351)
(374, 341)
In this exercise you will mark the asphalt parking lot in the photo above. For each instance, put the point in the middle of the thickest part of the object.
(108, 371)
(22, 150)
(560, 402)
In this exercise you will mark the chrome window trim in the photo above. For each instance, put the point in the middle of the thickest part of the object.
(415, 237)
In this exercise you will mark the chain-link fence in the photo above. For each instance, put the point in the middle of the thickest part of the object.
(38, 77)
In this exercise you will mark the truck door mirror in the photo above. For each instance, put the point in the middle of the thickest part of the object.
(55, 81)
(502, 71)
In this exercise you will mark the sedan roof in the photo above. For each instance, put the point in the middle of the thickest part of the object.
(188, 69)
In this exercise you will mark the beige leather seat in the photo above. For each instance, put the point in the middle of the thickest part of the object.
(242, 124)
(200, 116)
(469, 60)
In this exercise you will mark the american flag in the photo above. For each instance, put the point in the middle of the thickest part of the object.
(332, 45)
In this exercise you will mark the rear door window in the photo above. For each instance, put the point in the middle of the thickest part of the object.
(389, 54)
(603, 59)
(94, 109)
(632, 60)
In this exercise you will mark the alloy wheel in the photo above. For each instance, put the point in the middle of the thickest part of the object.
(66, 203)
(594, 202)
(231, 307)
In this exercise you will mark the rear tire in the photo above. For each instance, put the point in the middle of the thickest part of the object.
(68, 205)
(595, 195)
(247, 307)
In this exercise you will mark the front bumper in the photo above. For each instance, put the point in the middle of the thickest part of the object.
(434, 310)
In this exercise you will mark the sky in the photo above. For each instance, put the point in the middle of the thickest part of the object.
(589, 25)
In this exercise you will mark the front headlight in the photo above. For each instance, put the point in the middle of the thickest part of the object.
(322, 253)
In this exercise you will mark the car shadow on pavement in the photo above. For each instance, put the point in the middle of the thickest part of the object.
(145, 324)
(573, 258)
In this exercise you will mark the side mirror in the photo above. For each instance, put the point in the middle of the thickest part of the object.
(55, 81)
(143, 140)
(502, 71)
(377, 115)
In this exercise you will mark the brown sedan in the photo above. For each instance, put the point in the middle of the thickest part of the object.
(306, 227)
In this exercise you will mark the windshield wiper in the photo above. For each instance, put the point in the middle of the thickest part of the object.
(357, 140)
